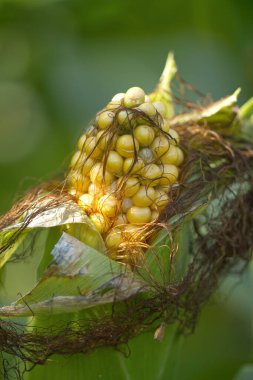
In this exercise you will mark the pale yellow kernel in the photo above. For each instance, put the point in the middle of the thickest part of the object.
(133, 165)
(138, 214)
(76, 159)
(78, 181)
(160, 107)
(174, 137)
(86, 202)
(99, 176)
(148, 109)
(106, 140)
(81, 142)
(134, 97)
(127, 145)
(154, 215)
(144, 197)
(129, 186)
(105, 119)
(126, 204)
(91, 148)
(114, 163)
(161, 200)
(121, 220)
(99, 221)
(108, 205)
(151, 174)
(144, 134)
(165, 125)
(180, 156)
(169, 174)
(160, 145)
(113, 239)
(171, 156)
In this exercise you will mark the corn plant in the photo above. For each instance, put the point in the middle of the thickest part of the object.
(155, 210)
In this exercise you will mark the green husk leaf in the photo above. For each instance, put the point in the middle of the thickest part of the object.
(219, 115)
(79, 277)
(162, 93)
(64, 214)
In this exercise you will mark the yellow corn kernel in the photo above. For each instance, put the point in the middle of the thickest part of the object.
(180, 156)
(160, 107)
(114, 163)
(86, 202)
(171, 156)
(160, 146)
(99, 176)
(127, 145)
(113, 239)
(148, 109)
(126, 204)
(99, 221)
(154, 215)
(81, 141)
(161, 200)
(108, 205)
(78, 181)
(134, 97)
(121, 220)
(105, 140)
(129, 186)
(144, 197)
(144, 134)
(169, 174)
(91, 148)
(105, 119)
(174, 137)
(133, 165)
(138, 214)
(151, 174)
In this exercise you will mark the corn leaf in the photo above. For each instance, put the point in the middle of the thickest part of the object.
(78, 277)
(219, 115)
(66, 213)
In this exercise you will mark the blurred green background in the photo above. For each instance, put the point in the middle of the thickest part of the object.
(61, 61)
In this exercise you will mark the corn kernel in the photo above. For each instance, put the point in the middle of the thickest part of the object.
(169, 174)
(114, 163)
(99, 176)
(105, 119)
(134, 97)
(108, 205)
(91, 148)
(151, 174)
(144, 134)
(81, 142)
(86, 202)
(99, 221)
(127, 145)
(113, 239)
(145, 196)
(130, 186)
(138, 214)
(160, 146)
(133, 165)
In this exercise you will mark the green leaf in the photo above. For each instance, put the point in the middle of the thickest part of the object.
(218, 115)
(65, 214)
(162, 93)
(79, 277)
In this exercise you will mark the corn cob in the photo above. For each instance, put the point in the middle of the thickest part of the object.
(124, 169)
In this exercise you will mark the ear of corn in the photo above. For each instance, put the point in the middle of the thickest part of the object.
(123, 172)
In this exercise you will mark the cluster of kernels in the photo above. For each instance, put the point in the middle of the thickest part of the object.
(125, 166)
